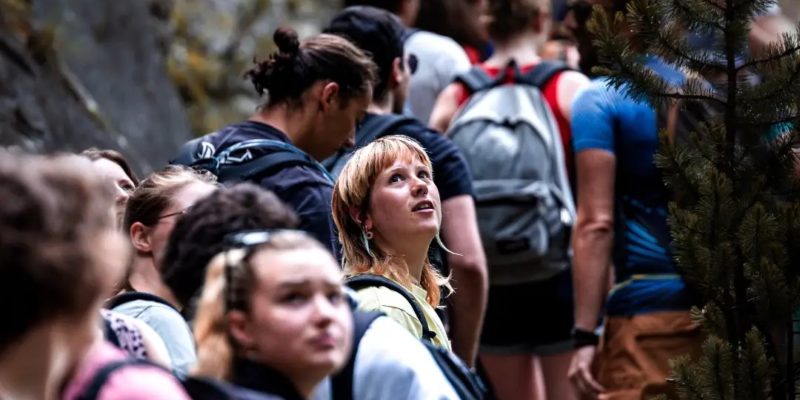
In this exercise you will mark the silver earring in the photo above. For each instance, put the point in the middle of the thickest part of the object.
(366, 236)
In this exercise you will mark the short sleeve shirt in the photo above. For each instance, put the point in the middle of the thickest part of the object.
(306, 190)
(396, 307)
(604, 118)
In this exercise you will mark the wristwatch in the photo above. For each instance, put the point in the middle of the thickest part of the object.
(583, 338)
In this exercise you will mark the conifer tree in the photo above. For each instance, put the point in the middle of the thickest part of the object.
(735, 216)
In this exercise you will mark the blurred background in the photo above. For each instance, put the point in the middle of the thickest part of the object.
(142, 76)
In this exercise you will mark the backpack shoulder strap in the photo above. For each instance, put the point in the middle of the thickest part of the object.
(128, 297)
(476, 79)
(187, 155)
(541, 74)
(363, 281)
(281, 155)
(101, 376)
(342, 382)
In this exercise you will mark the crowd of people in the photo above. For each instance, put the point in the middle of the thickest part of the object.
(420, 208)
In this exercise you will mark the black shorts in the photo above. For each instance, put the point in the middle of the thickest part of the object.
(534, 318)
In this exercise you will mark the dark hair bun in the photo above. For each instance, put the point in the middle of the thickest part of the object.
(286, 40)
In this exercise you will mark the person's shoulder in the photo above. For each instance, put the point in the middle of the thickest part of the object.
(433, 41)
(142, 382)
(386, 300)
(404, 365)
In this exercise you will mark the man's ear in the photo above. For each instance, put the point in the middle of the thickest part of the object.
(398, 72)
(329, 96)
(239, 328)
(140, 237)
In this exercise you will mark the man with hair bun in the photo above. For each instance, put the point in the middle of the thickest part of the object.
(317, 90)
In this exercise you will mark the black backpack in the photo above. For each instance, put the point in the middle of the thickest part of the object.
(376, 127)
(237, 163)
(465, 383)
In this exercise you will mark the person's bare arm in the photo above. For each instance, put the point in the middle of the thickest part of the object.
(469, 274)
(592, 242)
(593, 234)
(568, 86)
(445, 108)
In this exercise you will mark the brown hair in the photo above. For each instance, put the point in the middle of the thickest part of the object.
(286, 74)
(154, 194)
(353, 188)
(215, 346)
(509, 18)
(200, 234)
(114, 156)
(56, 234)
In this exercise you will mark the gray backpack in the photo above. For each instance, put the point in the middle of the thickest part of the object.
(510, 139)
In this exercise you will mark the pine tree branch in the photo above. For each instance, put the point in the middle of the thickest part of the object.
(699, 18)
(774, 57)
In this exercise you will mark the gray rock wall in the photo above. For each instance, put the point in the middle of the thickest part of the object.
(91, 73)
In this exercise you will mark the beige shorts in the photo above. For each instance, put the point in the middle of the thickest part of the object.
(633, 360)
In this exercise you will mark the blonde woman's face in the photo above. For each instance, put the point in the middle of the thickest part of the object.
(404, 204)
(300, 322)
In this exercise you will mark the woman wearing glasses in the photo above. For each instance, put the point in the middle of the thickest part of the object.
(149, 218)
(387, 210)
(273, 317)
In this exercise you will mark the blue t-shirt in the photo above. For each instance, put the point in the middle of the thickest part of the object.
(606, 119)
(306, 190)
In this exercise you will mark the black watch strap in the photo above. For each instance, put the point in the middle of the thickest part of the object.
(583, 338)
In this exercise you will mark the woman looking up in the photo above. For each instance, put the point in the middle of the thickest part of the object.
(388, 213)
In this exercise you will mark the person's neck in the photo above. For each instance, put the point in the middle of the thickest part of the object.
(286, 120)
(522, 49)
(411, 256)
(145, 278)
(35, 368)
(379, 109)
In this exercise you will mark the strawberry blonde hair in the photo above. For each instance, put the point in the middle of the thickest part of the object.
(353, 189)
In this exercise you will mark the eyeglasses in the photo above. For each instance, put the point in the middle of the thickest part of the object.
(184, 211)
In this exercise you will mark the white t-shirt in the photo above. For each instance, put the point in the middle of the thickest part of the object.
(392, 364)
(440, 59)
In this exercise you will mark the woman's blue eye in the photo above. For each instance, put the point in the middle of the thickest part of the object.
(424, 174)
(395, 178)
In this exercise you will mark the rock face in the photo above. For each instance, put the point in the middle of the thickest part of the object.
(215, 42)
(90, 73)
(139, 76)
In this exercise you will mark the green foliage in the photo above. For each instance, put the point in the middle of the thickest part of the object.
(736, 212)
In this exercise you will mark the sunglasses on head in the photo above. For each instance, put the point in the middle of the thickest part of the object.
(247, 241)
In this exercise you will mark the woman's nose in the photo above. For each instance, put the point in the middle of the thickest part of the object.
(324, 310)
(420, 187)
